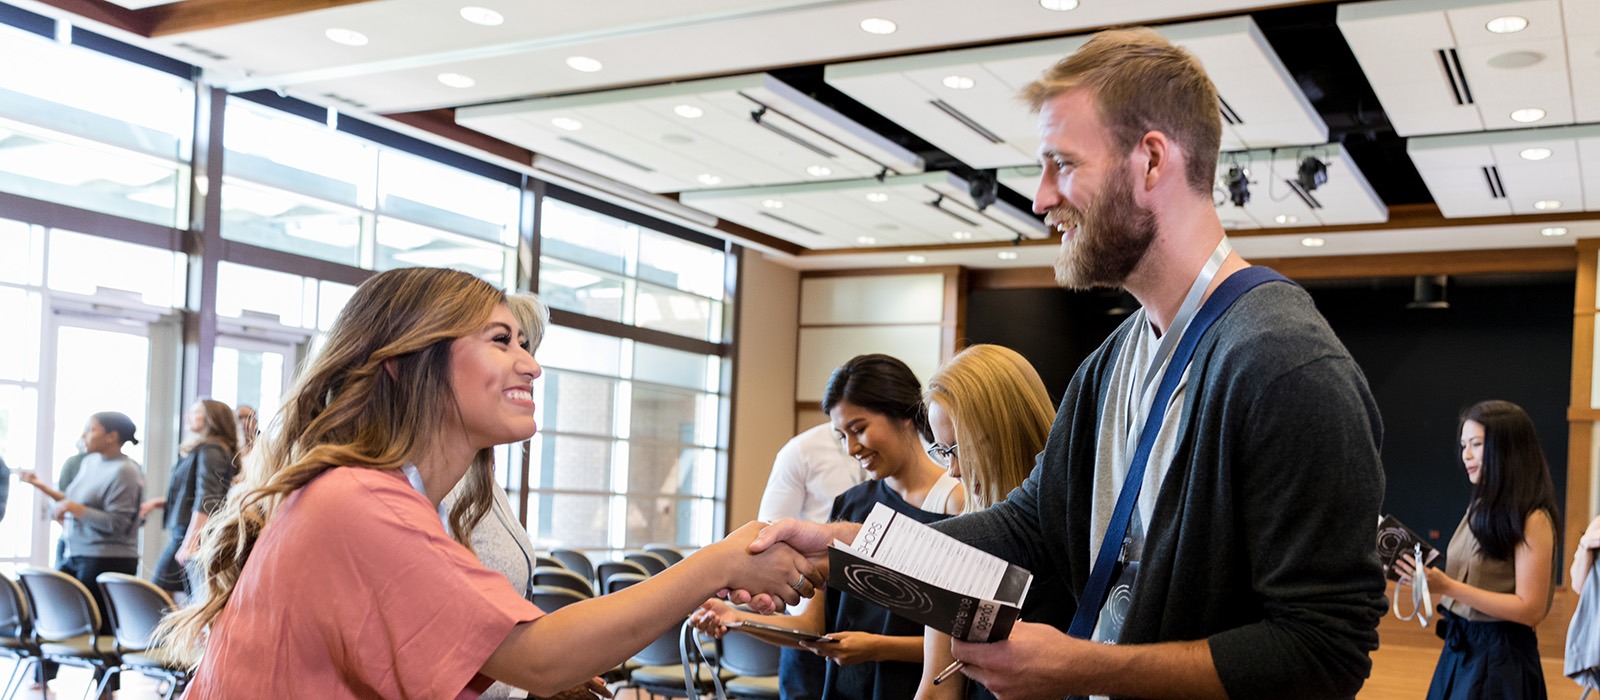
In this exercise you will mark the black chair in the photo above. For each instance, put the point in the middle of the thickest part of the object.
(542, 560)
(16, 634)
(575, 560)
(66, 622)
(136, 606)
(673, 666)
(752, 663)
(606, 570)
(617, 582)
(552, 598)
(668, 553)
(561, 577)
(653, 563)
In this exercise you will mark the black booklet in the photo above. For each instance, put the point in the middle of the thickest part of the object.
(929, 577)
(1395, 540)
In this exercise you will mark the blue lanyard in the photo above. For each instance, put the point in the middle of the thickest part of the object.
(1094, 594)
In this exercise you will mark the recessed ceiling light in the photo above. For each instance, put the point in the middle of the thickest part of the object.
(708, 179)
(1006, 255)
(878, 25)
(1547, 204)
(688, 111)
(819, 171)
(866, 240)
(918, 259)
(957, 82)
(348, 37)
(1507, 24)
(962, 235)
(877, 197)
(483, 16)
(1059, 5)
(1313, 242)
(457, 80)
(1535, 153)
(567, 123)
(772, 203)
(1286, 219)
(1553, 231)
(1230, 224)
(1529, 114)
(583, 63)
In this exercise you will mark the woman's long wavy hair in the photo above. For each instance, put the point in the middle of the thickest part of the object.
(222, 430)
(1513, 481)
(1002, 415)
(377, 397)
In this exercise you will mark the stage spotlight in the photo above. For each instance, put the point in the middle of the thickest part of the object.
(1313, 174)
(984, 188)
(1238, 182)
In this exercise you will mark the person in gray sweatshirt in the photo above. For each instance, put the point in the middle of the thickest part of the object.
(99, 509)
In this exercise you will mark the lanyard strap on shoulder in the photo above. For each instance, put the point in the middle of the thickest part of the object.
(1094, 594)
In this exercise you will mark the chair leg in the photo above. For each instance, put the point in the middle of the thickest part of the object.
(18, 677)
(102, 679)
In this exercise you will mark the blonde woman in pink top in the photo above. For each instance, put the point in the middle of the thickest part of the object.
(333, 575)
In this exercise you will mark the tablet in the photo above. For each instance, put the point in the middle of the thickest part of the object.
(761, 628)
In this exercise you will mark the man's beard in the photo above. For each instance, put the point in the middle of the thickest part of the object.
(1112, 237)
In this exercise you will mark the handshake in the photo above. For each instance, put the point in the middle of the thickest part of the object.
(781, 563)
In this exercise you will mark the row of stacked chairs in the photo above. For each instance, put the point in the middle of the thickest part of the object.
(49, 616)
(679, 663)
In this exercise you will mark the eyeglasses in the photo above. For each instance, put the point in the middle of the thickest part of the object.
(942, 454)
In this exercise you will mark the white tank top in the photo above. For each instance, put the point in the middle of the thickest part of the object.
(938, 500)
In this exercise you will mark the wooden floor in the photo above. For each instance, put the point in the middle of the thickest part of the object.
(1406, 655)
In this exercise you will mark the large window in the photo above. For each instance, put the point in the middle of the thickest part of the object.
(631, 449)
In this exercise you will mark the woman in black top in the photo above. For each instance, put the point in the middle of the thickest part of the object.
(206, 467)
(875, 402)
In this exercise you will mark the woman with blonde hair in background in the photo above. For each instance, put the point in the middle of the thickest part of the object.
(207, 463)
(334, 577)
(990, 416)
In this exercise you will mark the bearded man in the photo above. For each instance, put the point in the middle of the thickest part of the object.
(1245, 566)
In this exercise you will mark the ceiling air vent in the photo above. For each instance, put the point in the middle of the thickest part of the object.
(1497, 189)
(603, 152)
(807, 229)
(1228, 115)
(1451, 63)
(966, 121)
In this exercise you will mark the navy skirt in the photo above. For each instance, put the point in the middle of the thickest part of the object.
(1484, 660)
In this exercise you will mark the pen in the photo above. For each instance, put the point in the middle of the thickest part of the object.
(948, 671)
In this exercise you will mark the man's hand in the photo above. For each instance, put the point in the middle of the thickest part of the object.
(807, 538)
(775, 572)
(594, 688)
(1034, 662)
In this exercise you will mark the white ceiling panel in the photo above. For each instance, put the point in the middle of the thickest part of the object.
(985, 126)
(924, 209)
(1276, 202)
(1459, 169)
(725, 132)
(1410, 50)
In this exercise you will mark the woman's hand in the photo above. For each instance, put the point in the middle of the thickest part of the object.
(583, 691)
(779, 571)
(852, 648)
(29, 477)
(150, 505)
(65, 508)
(1439, 583)
(713, 617)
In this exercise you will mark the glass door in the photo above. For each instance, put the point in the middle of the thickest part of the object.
(254, 372)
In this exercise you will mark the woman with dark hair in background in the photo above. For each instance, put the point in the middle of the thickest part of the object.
(875, 402)
(207, 463)
(1498, 580)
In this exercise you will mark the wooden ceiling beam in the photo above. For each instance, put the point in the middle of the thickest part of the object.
(195, 15)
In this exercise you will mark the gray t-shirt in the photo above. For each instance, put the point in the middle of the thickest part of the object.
(110, 491)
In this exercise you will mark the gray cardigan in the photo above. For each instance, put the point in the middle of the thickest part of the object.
(1263, 536)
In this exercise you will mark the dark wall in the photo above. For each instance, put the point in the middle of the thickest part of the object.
(1502, 337)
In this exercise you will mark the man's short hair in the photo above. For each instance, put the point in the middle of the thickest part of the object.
(1143, 83)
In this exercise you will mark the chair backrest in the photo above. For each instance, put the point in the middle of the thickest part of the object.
(744, 655)
(135, 606)
(542, 560)
(575, 560)
(606, 570)
(552, 598)
(670, 554)
(617, 582)
(653, 563)
(666, 650)
(16, 619)
(62, 607)
(560, 576)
